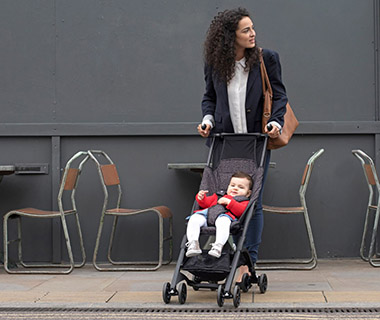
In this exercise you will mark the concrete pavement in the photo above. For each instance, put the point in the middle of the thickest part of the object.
(333, 283)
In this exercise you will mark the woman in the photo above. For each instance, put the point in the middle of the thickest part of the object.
(233, 99)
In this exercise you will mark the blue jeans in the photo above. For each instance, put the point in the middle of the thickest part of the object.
(255, 226)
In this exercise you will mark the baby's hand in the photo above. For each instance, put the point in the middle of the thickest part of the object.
(224, 201)
(201, 194)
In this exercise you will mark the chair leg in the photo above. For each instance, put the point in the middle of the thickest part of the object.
(81, 243)
(122, 265)
(313, 260)
(97, 242)
(19, 251)
(372, 251)
(295, 264)
(112, 237)
(19, 244)
(5, 242)
(365, 230)
(160, 241)
(68, 245)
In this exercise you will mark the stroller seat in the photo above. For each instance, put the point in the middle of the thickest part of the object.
(217, 180)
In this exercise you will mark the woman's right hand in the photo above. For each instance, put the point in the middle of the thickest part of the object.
(204, 132)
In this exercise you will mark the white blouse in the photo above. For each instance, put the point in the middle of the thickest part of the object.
(237, 89)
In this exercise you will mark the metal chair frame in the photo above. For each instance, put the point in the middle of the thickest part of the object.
(69, 183)
(372, 179)
(108, 177)
(296, 264)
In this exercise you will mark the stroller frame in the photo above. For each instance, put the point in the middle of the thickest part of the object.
(226, 290)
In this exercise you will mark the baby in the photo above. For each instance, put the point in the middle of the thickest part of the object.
(234, 202)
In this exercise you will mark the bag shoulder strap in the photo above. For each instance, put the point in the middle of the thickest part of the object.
(267, 89)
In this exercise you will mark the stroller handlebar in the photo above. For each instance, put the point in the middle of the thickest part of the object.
(258, 134)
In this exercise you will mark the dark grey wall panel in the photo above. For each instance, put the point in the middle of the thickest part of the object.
(327, 54)
(109, 54)
(27, 61)
(127, 61)
(141, 61)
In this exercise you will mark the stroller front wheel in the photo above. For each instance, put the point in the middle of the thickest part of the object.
(236, 296)
(220, 296)
(182, 293)
(166, 292)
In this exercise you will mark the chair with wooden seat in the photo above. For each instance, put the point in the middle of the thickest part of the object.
(296, 264)
(111, 184)
(369, 169)
(67, 188)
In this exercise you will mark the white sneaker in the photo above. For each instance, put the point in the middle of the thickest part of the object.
(193, 248)
(216, 250)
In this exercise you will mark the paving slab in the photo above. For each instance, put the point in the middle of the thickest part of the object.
(21, 296)
(353, 296)
(290, 297)
(78, 297)
(74, 283)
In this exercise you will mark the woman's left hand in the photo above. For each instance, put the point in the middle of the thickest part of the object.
(274, 133)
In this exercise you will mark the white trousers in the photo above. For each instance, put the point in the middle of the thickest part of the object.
(197, 221)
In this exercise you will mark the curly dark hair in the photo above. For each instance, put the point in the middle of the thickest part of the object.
(219, 46)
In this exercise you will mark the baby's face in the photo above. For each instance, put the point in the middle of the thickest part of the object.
(239, 187)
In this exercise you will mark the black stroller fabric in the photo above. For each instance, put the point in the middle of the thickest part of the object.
(232, 154)
(208, 268)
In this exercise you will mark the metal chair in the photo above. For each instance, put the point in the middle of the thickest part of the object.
(109, 177)
(372, 179)
(297, 264)
(68, 187)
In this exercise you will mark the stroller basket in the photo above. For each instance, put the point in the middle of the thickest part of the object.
(208, 268)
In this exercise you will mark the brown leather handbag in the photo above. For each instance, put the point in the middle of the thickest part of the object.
(290, 120)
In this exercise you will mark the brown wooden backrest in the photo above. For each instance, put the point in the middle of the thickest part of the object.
(110, 175)
(304, 175)
(71, 178)
(369, 173)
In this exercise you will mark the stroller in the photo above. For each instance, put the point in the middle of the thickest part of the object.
(228, 153)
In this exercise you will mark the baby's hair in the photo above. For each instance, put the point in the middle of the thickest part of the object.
(241, 174)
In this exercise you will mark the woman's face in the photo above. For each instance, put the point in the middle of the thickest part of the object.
(245, 34)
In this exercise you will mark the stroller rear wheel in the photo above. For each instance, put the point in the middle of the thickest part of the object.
(182, 293)
(263, 283)
(245, 282)
(236, 296)
(220, 296)
(166, 292)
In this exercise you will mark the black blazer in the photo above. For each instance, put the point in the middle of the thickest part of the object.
(215, 99)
